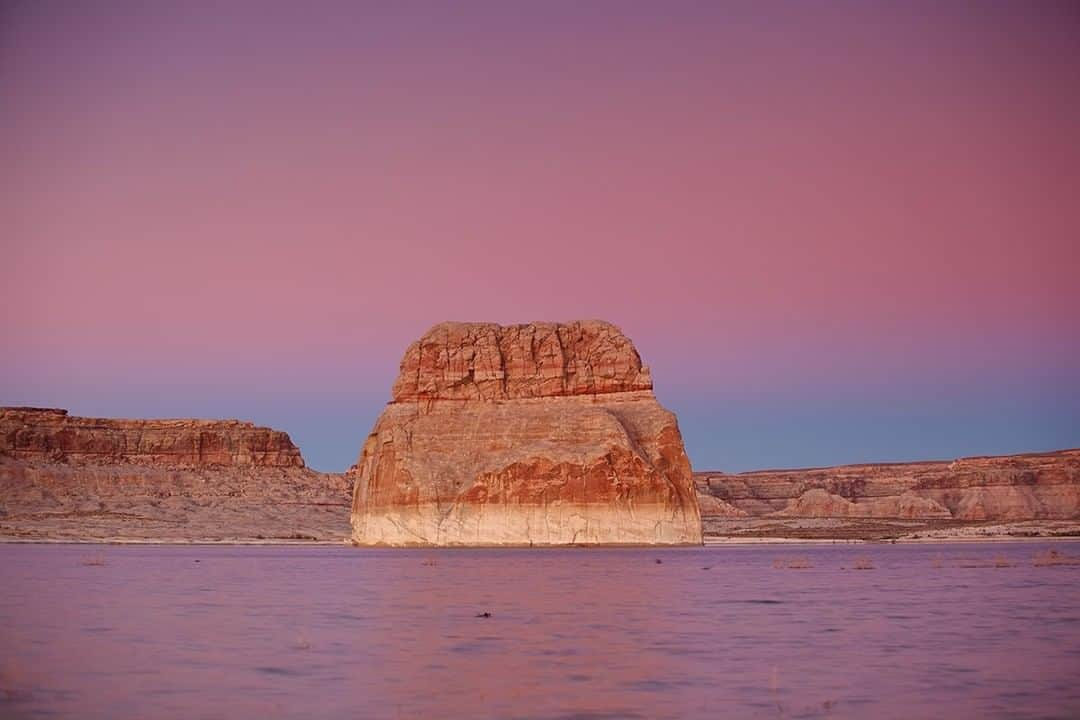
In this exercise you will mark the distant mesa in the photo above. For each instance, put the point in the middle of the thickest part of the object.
(534, 434)
(53, 435)
(76, 478)
(538, 434)
(1008, 488)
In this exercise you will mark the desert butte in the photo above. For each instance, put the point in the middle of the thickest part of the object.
(537, 434)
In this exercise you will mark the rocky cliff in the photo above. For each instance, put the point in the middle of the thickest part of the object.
(538, 434)
(87, 478)
(40, 434)
(1011, 488)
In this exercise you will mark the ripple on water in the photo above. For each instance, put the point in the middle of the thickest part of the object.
(581, 634)
(653, 685)
(476, 647)
(626, 714)
(273, 670)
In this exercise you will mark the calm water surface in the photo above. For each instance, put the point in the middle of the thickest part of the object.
(261, 632)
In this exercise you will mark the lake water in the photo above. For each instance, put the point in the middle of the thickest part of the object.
(931, 631)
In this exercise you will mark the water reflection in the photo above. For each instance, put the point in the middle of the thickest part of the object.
(922, 631)
(598, 633)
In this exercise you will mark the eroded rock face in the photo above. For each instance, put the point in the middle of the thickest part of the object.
(483, 361)
(1038, 486)
(65, 477)
(819, 503)
(53, 435)
(539, 434)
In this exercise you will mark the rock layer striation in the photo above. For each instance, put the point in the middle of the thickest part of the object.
(1037, 486)
(174, 480)
(47, 434)
(537, 434)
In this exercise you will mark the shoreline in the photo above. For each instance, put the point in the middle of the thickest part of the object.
(725, 541)
(163, 541)
(715, 542)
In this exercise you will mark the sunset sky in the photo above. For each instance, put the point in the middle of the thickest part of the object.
(837, 232)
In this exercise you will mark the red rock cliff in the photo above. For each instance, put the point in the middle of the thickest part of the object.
(86, 478)
(483, 361)
(1036, 486)
(53, 435)
(540, 434)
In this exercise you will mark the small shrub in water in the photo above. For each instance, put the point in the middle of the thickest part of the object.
(799, 563)
(1053, 557)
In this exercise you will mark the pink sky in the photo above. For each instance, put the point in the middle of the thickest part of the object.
(838, 231)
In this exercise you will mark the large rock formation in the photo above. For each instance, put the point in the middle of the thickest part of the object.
(1038, 486)
(46, 434)
(538, 434)
(86, 478)
(1034, 494)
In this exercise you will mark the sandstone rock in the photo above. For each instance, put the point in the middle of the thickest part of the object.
(818, 503)
(712, 506)
(907, 506)
(540, 434)
(483, 361)
(171, 480)
(51, 434)
(1037, 486)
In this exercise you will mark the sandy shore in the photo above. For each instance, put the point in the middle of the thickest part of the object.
(305, 525)
(729, 541)
(710, 542)
(830, 530)
(166, 541)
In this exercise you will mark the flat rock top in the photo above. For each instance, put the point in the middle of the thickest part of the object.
(53, 435)
(485, 361)
(1068, 458)
(27, 417)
